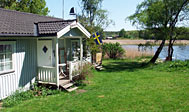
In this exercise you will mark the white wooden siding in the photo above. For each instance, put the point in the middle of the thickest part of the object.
(25, 68)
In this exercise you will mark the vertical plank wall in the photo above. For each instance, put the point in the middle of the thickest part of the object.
(25, 68)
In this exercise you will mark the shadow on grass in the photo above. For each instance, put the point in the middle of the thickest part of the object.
(118, 66)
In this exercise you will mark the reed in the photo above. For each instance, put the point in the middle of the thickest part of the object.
(132, 53)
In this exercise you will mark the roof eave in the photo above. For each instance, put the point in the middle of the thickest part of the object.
(17, 35)
(74, 24)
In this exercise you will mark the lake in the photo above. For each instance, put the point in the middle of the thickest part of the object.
(181, 52)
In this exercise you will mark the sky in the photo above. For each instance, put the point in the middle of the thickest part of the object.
(118, 11)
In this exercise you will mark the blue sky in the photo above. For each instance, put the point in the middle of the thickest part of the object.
(118, 11)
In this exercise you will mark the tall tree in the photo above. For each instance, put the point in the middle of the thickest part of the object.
(161, 17)
(93, 16)
(31, 6)
(177, 12)
(94, 19)
(90, 8)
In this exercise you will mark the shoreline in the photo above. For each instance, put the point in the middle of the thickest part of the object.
(155, 42)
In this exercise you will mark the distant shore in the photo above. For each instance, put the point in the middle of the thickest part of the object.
(136, 42)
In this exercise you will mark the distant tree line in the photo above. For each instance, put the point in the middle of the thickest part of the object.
(183, 34)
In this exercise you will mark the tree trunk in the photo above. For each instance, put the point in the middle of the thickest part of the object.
(169, 57)
(170, 53)
(153, 60)
(170, 49)
(92, 58)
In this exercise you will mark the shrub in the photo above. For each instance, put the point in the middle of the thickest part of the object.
(174, 66)
(20, 96)
(17, 97)
(113, 50)
(84, 72)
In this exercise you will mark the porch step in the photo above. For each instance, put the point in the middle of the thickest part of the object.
(99, 68)
(61, 77)
(68, 85)
(64, 82)
(71, 89)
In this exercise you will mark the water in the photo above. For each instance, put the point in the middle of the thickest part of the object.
(181, 52)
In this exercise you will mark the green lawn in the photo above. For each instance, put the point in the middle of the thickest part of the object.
(124, 85)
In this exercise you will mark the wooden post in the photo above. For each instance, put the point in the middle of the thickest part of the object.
(65, 56)
(81, 54)
(70, 70)
(38, 74)
(57, 63)
(81, 49)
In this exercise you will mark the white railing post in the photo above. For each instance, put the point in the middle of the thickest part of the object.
(70, 70)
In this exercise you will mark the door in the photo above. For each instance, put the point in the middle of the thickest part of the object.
(44, 52)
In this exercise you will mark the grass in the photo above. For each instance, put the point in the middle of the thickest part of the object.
(124, 85)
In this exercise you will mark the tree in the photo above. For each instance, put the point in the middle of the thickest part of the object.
(93, 16)
(178, 11)
(94, 19)
(90, 8)
(160, 17)
(122, 33)
(31, 6)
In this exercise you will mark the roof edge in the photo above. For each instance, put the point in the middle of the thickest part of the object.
(69, 20)
(9, 10)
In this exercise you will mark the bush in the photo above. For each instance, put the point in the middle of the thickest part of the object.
(17, 97)
(113, 50)
(20, 96)
(85, 72)
(174, 66)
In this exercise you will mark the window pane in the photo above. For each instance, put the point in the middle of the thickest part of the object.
(8, 48)
(1, 48)
(1, 67)
(1, 58)
(8, 66)
(8, 57)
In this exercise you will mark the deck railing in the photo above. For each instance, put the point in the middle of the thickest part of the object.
(47, 74)
(75, 68)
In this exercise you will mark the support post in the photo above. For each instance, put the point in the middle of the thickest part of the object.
(81, 49)
(37, 62)
(65, 56)
(70, 70)
(57, 62)
(81, 54)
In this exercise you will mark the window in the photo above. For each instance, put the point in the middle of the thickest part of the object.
(6, 56)
(75, 50)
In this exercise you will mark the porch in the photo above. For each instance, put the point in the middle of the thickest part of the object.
(60, 60)
(60, 53)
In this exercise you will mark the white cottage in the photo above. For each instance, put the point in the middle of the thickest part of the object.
(38, 48)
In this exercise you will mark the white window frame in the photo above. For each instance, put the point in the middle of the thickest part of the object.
(13, 43)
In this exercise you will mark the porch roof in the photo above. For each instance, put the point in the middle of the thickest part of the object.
(52, 27)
